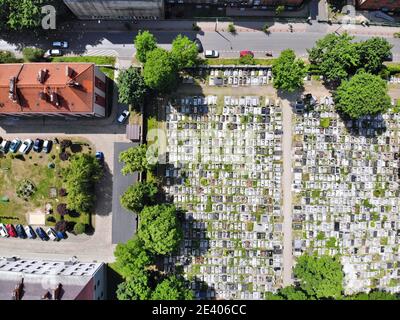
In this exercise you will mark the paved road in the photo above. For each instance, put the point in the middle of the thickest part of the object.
(124, 222)
(120, 42)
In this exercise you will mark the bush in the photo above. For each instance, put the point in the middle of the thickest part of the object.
(25, 189)
(61, 226)
(247, 59)
(65, 144)
(279, 9)
(7, 57)
(325, 122)
(51, 219)
(396, 34)
(33, 54)
(64, 156)
(231, 28)
(79, 228)
(62, 209)
(266, 28)
(62, 192)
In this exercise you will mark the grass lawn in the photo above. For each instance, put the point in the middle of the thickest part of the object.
(236, 61)
(34, 167)
(99, 60)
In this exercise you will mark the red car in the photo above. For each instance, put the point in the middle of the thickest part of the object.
(246, 52)
(11, 230)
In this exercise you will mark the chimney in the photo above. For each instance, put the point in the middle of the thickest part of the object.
(17, 293)
(42, 75)
(54, 98)
(57, 292)
(69, 72)
(12, 92)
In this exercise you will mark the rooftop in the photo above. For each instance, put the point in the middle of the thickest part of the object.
(46, 87)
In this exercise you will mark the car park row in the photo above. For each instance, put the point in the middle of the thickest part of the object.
(27, 232)
(24, 147)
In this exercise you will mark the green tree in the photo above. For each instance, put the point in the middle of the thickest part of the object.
(139, 195)
(272, 296)
(172, 288)
(373, 295)
(145, 42)
(160, 71)
(288, 71)
(373, 53)
(293, 293)
(231, 28)
(335, 56)
(81, 175)
(7, 57)
(131, 87)
(363, 94)
(131, 258)
(247, 59)
(79, 228)
(320, 277)
(135, 288)
(135, 159)
(33, 54)
(279, 10)
(160, 229)
(184, 51)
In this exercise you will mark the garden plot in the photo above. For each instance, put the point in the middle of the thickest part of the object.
(224, 167)
(44, 171)
(346, 194)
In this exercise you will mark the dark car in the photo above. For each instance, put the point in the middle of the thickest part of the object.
(20, 231)
(42, 235)
(38, 145)
(198, 44)
(100, 157)
(389, 57)
(60, 235)
(11, 230)
(15, 144)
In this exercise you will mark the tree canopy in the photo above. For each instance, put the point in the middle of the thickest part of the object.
(81, 175)
(139, 195)
(320, 277)
(373, 53)
(160, 229)
(135, 288)
(160, 71)
(184, 51)
(7, 57)
(364, 94)
(172, 288)
(135, 159)
(20, 14)
(288, 71)
(145, 42)
(336, 56)
(131, 87)
(373, 295)
(131, 258)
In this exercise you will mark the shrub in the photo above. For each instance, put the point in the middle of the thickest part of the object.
(31, 54)
(325, 122)
(79, 228)
(266, 28)
(64, 156)
(65, 144)
(62, 209)
(61, 226)
(231, 28)
(62, 192)
(51, 219)
(7, 57)
(396, 34)
(279, 9)
(25, 189)
(247, 59)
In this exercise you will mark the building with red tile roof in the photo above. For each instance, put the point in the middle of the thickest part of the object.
(388, 5)
(52, 89)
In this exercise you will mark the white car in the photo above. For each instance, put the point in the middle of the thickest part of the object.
(3, 231)
(60, 44)
(47, 146)
(124, 115)
(52, 234)
(211, 54)
(26, 146)
(29, 232)
(53, 53)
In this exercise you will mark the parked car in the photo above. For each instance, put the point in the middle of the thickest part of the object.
(15, 144)
(26, 146)
(42, 235)
(100, 156)
(5, 146)
(20, 231)
(52, 234)
(124, 115)
(246, 52)
(60, 235)
(3, 231)
(30, 232)
(11, 230)
(198, 44)
(389, 57)
(60, 44)
(211, 54)
(53, 53)
(47, 145)
(38, 145)
(299, 107)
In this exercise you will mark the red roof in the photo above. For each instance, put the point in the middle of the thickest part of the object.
(47, 88)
